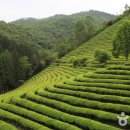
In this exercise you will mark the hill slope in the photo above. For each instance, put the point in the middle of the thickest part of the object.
(53, 30)
(98, 15)
(87, 98)
(30, 45)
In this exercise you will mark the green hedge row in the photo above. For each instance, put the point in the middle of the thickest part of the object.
(127, 64)
(121, 67)
(94, 90)
(92, 96)
(110, 107)
(44, 120)
(93, 80)
(85, 112)
(117, 72)
(27, 124)
(108, 76)
(117, 62)
(6, 126)
(48, 111)
(101, 85)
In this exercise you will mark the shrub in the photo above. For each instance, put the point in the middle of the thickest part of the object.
(121, 40)
(109, 23)
(101, 57)
(80, 62)
(73, 110)
(6, 126)
(115, 54)
(49, 60)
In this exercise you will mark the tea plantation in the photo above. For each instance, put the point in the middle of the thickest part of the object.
(63, 97)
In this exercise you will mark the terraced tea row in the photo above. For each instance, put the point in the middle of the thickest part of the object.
(97, 97)
(48, 77)
(6, 126)
(81, 107)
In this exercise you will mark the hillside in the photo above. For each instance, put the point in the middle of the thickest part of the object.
(19, 51)
(98, 15)
(88, 98)
(17, 37)
(29, 45)
(58, 29)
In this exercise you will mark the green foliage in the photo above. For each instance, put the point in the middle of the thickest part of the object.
(34, 44)
(79, 121)
(53, 73)
(6, 126)
(101, 57)
(26, 67)
(25, 123)
(50, 122)
(63, 50)
(121, 42)
(84, 29)
(127, 11)
(78, 62)
(48, 32)
(7, 74)
(86, 97)
(14, 70)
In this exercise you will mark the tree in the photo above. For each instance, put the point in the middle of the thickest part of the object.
(127, 10)
(121, 42)
(80, 32)
(2, 75)
(26, 68)
(84, 29)
(63, 50)
(101, 57)
(17, 66)
(7, 72)
(89, 26)
(126, 7)
(78, 61)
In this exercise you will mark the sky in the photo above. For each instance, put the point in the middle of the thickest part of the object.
(11, 10)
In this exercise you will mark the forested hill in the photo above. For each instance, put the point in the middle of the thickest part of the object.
(29, 45)
(58, 29)
(98, 15)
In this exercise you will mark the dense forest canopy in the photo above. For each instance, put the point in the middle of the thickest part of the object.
(98, 15)
(52, 30)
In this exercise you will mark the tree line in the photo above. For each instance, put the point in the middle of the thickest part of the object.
(14, 70)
